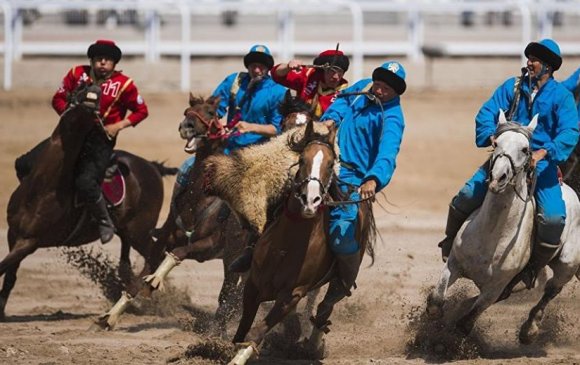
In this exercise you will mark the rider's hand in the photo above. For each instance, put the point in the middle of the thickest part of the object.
(294, 65)
(329, 123)
(367, 189)
(244, 127)
(492, 140)
(538, 155)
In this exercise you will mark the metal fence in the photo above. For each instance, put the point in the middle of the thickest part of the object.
(364, 28)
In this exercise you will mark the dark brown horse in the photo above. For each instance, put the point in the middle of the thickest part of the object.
(198, 227)
(292, 256)
(42, 211)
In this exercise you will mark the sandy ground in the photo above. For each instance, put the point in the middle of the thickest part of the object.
(52, 306)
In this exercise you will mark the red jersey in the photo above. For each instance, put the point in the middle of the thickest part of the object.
(119, 94)
(307, 83)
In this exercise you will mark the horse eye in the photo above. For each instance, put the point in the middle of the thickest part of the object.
(525, 150)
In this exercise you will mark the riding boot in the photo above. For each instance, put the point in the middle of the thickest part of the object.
(99, 211)
(348, 267)
(541, 256)
(455, 220)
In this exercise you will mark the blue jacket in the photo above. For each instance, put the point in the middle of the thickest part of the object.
(571, 83)
(369, 137)
(557, 130)
(260, 106)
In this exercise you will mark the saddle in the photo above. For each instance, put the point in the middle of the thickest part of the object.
(113, 185)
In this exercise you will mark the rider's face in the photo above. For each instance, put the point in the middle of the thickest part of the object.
(103, 66)
(383, 91)
(332, 77)
(257, 70)
(534, 65)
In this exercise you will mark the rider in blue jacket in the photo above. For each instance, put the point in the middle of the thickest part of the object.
(370, 125)
(250, 100)
(536, 92)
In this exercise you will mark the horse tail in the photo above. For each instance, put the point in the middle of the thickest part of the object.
(164, 170)
(369, 231)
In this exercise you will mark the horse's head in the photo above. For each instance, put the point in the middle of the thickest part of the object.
(295, 111)
(86, 96)
(512, 154)
(201, 122)
(315, 169)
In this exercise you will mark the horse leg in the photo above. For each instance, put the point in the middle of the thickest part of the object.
(250, 308)
(227, 301)
(562, 274)
(19, 249)
(436, 298)
(488, 296)
(125, 271)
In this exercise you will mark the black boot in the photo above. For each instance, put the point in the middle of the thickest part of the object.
(348, 267)
(541, 255)
(99, 211)
(243, 262)
(455, 220)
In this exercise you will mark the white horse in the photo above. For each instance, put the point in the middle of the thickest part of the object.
(495, 242)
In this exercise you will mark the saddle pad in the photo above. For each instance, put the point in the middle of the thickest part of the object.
(113, 188)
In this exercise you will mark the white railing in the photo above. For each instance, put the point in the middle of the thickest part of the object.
(152, 48)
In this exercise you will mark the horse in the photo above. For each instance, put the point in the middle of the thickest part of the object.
(292, 256)
(42, 211)
(495, 242)
(197, 227)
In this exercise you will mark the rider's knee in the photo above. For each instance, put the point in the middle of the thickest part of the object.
(343, 241)
(550, 227)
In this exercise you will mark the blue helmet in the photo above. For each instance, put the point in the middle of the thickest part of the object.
(393, 74)
(259, 54)
(546, 51)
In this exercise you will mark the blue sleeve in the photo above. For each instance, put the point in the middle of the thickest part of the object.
(486, 119)
(384, 165)
(338, 109)
(560, 148)
(571, 82)
(223, 91)
(278, 93)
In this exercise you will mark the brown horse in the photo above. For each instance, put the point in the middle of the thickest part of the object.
(42, 211)
(198, 227)
(292, 256)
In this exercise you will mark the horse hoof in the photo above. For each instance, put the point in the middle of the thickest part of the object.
(528, 333)
(100, 324)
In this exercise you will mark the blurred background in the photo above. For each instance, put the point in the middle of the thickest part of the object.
(180, 42)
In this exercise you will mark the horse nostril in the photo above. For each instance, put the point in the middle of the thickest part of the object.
(503, 177)
(316, 200)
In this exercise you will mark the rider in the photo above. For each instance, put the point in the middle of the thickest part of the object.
(318, 84)
(119, 95)
(552, 142)
(370, 125)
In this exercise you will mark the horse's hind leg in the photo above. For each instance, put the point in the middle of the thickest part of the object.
(9, 266)
(228, 301)
(562, 275)
(436, 298)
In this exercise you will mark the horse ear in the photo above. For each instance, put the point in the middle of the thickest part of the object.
(533, 124)
(214, 101)
(332, 134)
(502, 119)
(309, 129)
(193, 100)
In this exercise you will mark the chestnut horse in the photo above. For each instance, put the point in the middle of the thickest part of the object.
(198, 227)
(292, 256)
(42, 211)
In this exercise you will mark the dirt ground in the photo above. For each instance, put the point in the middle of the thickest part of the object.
(52, 306)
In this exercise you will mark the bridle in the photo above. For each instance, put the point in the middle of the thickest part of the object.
(525, 167)
(297, 186)
(221, 132)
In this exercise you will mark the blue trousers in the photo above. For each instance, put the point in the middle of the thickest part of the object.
(184, 169)
(551, 210)
(343, 221)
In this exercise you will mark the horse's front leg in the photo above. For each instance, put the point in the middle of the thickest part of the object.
(488, 296)
(562, 274)
(436, 298)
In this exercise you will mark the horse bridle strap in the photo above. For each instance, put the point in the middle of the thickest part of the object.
(221, 131)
